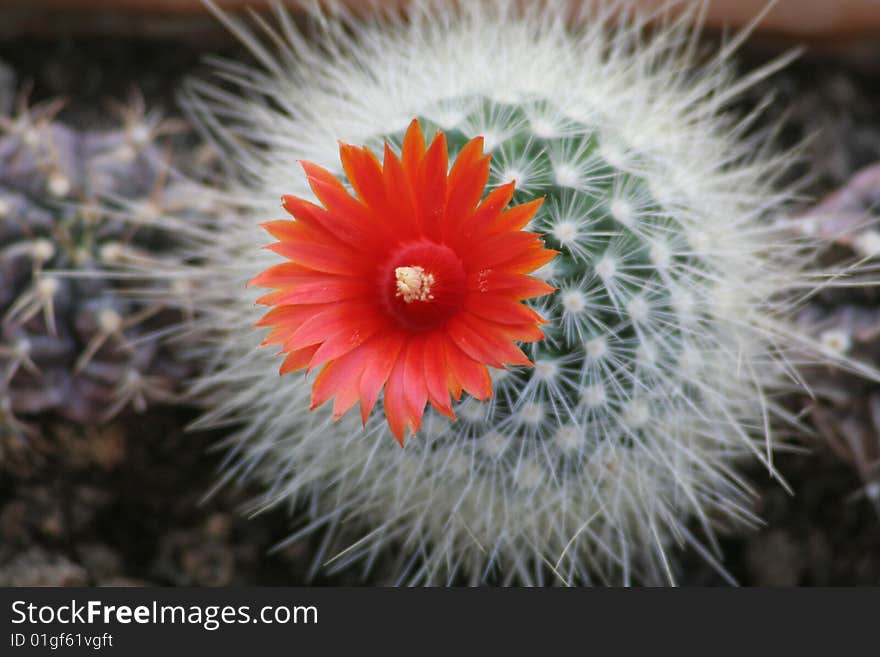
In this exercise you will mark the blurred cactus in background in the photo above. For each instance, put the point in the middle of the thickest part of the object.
(78, 209)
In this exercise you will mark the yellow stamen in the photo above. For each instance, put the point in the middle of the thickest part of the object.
(414, 284)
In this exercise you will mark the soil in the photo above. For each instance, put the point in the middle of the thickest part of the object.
(125, 504)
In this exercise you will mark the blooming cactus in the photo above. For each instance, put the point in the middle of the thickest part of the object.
(666, 339)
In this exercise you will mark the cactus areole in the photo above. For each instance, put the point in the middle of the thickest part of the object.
(414, 285)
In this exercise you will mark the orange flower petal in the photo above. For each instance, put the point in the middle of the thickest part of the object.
(413, 149)
(431, 189)
(477, 336)
(296, 360)
(416, 390)
(344, 216)
(529, 260)
(501, 309)
(467, 180)
(394, 403)
(328, 321)
(364, 172)
(385, 350)
(472, 375)
(339, 378)
(435, 375)
(320, 257)
(517, 286)
(517, 217)
(343, 341)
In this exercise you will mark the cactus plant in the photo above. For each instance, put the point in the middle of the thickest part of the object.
(668, 340)
(78, 212)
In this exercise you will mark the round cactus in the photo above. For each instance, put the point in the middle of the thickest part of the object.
(667, 339)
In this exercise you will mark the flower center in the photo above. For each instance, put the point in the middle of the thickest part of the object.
(422, 285)
(414, 284)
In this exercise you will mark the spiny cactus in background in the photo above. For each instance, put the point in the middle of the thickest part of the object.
(78, 209)
(669, 338)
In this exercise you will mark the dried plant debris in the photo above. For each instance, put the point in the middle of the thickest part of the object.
(79, 328)
(846, 412)
(848, 217)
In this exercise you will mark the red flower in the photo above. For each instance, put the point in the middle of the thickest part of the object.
(415, 285)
